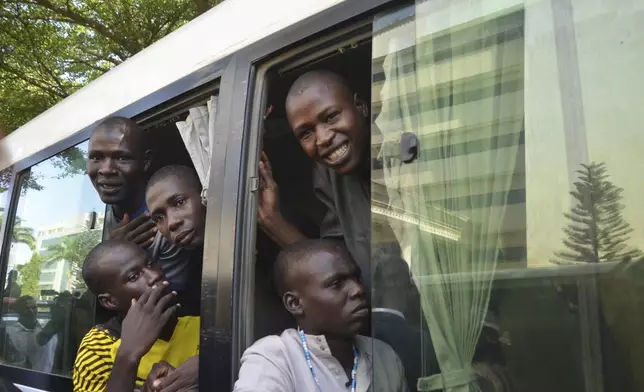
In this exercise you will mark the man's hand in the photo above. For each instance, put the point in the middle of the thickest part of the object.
(268, 210)
(146, 318)
(141, 230)
(183, 379)
(158, 372)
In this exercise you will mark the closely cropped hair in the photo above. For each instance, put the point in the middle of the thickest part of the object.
(90, 271)
(298, 252)
(185, 173)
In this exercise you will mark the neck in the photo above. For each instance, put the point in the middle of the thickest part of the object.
(27, 323)
(129, 206)
(342, 350)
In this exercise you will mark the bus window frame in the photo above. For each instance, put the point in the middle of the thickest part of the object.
(241, 166)
(221, 344)
(188, 86)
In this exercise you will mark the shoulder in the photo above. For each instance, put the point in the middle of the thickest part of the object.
(94, 361)
(270, 346)
(96, 347)
(99, 335)
(376, 348)
(321, 177)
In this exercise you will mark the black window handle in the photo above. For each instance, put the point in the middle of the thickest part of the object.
(408, 147)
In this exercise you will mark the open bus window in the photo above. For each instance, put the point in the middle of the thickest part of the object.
(293, 172)
(497, 177)
(59, 219)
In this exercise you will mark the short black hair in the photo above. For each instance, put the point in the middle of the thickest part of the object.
(299, 252)
(185, 173)
(307, 79)
(91, 272)
(123, 124)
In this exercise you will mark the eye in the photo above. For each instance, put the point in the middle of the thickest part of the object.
(332, 116)
(181, 201)
(133, 276)
(335, 283)
(157, 218)
(303, 133)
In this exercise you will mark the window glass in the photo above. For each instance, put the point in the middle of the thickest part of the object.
(58, 221)
(505, 140)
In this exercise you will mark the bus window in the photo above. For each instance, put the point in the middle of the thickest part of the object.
(514, 200)
(293, 172)
(59, 219)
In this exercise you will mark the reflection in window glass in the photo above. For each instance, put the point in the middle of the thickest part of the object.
(506, 168)
(58, 221)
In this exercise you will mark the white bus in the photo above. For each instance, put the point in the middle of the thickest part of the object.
(502, 137)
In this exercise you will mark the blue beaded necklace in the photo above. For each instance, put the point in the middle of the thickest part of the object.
(307, 356)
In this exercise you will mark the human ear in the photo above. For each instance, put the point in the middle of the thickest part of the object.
(108, 302)
(147, 160)
(292, 303)
(361, 104)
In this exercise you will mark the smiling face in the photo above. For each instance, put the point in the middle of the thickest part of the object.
(117, 164)
(176, 208)
(326, 294)
(329, 122)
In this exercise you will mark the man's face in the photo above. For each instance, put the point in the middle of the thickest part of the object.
(116, 164)
(331, 294)
(128, 275)
(177, 210)
(30, 312)
(330, 125)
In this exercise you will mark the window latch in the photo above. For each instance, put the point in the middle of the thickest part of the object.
(254, 184)
(408, 147)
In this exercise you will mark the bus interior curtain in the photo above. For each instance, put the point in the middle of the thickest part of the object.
(197, 132)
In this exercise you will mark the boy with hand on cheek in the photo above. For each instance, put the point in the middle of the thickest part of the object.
(118, 356)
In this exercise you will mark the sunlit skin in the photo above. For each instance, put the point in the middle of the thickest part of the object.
(178, 212)
(116, 166)
(329, 122)
(127, 275)
(326, 294)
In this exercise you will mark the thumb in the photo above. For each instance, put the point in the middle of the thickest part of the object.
(126, 219)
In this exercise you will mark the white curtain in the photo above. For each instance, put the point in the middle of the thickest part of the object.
(459, 90)
(198, 132)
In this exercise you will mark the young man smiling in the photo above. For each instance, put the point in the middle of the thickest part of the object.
(320, 285)
(331, 123)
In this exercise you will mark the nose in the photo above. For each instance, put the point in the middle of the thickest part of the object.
(153, 275)
(323, 136)
(106, 167)
(356, 289)
(175, 221)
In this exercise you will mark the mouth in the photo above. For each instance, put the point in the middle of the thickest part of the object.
(109, 187)
(185, 237)
(361, 310)
(338, 155)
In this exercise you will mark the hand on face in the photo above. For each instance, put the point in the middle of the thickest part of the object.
(146, 318)
(140, 230)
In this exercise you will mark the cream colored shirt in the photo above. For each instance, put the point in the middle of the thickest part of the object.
(277, 364)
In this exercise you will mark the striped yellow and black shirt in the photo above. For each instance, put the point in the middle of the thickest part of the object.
(98, 349)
